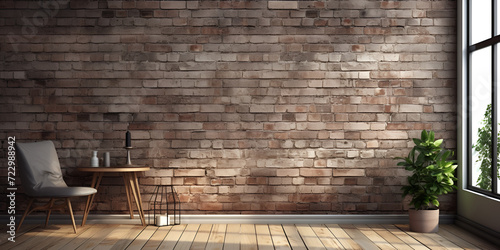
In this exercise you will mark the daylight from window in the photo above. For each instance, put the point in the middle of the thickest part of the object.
(480, 100)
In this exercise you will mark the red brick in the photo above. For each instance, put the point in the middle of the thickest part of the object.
(147, 4)
(283, 5)
(286, 206)
(349, 172)
(212, 206)
(308, 172)
(189, 172)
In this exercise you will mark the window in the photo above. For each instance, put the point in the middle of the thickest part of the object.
(483, 106)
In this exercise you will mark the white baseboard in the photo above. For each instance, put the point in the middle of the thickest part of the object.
(303, 219)
(240, 219)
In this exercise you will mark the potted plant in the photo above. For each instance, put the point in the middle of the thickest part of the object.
(432, 175)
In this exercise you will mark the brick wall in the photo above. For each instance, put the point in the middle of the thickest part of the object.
(245, 106)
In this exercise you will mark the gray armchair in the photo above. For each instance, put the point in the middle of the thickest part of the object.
(41, 177)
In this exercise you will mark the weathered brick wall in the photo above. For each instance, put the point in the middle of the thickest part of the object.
(245, 106)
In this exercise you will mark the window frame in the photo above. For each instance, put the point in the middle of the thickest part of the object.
(493, 42)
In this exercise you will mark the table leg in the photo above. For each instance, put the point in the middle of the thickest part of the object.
(129, 193)
(96, 181)
(136, 181)
(133, 184)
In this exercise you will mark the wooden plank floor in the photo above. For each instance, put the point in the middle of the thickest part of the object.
(242, 236)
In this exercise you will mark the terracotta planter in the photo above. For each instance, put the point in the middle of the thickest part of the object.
(424, 221)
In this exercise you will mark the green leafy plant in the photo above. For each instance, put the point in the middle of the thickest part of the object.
(433, 174)
(483, 148)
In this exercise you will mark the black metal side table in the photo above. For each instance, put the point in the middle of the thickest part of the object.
(165, 203)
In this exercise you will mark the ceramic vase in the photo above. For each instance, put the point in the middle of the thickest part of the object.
(94, 161)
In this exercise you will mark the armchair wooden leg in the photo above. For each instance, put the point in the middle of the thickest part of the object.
(51, 203)
(68, 203)
(25, 213)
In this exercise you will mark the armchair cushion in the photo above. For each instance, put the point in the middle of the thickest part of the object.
(64, 191)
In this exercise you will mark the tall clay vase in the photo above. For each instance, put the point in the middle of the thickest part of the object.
(424, 221)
